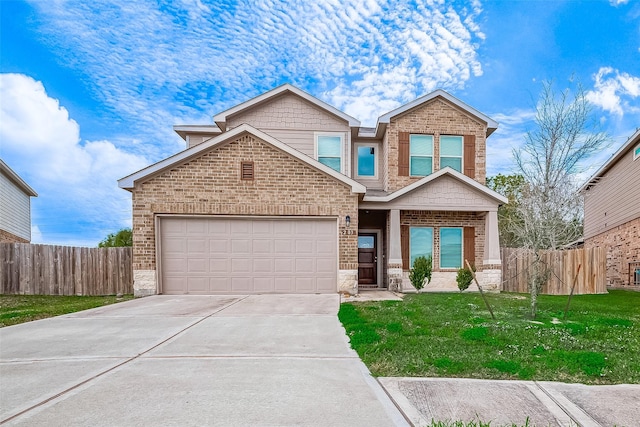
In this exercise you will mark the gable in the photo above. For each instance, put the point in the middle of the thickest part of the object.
(214, 177)
(445, 190)
(439, 116)
(288, 111)
(186, 156)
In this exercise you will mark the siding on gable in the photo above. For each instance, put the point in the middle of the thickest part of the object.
(15, 209)
(614, 200)
(195, 139)
(445, 193)
(436, 118)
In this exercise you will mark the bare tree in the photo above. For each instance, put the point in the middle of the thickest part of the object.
(550, 207)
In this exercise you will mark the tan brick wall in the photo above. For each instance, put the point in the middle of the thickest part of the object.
(436, 118)
(437, 219)
(623, 246)
(211, 185)
(6, 237)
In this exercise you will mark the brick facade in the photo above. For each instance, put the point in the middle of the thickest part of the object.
(6, 237)
(622, 244)
(437, 219)
(436, 118)
(210, 185)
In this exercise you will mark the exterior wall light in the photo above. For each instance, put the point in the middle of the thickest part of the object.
(347, 220)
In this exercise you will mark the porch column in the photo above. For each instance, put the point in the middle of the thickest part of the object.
(490, 277)
(394, 267)
(492, 239)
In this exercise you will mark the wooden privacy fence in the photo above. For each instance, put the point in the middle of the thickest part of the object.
(516, 267)
(63, 270)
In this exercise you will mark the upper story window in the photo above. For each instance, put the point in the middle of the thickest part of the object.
(329, 150)
(451, 152)
(366, 157)
(420, 155)
(636, 152)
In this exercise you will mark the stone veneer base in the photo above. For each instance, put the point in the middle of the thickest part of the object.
(144, 283)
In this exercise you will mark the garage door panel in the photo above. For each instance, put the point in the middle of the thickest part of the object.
(198, 285)
(196, 246)
(198, 265)
(196, 227)
(283, 266)
(263, 284)
(241, 284)
(248, 255)
(263, 266)
(283, 247)
(262, 246)
(240, 265)
(219, 285)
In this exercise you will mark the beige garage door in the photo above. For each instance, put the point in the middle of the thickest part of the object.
(248, 255)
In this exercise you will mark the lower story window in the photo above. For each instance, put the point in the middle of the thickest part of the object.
(450, 247)
(420, 243)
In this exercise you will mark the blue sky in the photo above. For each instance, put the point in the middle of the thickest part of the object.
(89, 91)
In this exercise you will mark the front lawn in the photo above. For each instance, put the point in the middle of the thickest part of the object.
(16, 309)
(453, 335)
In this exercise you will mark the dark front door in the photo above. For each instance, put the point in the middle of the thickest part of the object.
(367, 260)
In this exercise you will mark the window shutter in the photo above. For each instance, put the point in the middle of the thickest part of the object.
(469, 245)
(403, 153)
(470, 156)
(404, 246)
(246, 171)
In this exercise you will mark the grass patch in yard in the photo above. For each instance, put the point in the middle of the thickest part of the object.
(452, 335)
(16, 309)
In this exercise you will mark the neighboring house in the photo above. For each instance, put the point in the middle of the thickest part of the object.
(285, 193)
(612, 213)
(15, 207)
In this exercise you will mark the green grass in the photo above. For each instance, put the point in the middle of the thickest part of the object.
(16, 309)
(453, 335)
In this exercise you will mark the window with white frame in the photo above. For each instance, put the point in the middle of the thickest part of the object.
(636, 152)
(451, 149)
(420, 243)
(366, 158)
(420, 155)
(450, 247)
(329, 150)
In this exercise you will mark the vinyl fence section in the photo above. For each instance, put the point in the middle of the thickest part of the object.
(62, 270)
(516, 267)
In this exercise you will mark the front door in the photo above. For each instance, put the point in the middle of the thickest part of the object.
(367, 260)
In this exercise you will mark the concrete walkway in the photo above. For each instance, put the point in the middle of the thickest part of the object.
(270, 360)
(507, 402)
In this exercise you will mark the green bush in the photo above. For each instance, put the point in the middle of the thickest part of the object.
(464, 278)
(421, 270)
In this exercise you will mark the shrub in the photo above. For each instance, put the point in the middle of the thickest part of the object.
(464, 278)
(421, 270)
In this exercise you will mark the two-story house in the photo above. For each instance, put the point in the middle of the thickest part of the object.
(285, 193)
(15, 206)
(612, 213)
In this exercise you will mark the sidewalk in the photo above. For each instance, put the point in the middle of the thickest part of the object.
(513, 402)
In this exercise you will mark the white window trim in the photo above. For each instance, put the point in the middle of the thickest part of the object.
(432, 153)
(376, 147)
(461, 157)
(440, 248)
(342, 151)
(433, 238)
(636, 152)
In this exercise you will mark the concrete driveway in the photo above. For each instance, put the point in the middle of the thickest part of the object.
(190, 361)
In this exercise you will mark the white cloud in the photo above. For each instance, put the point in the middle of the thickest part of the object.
(169, 63)
(75, 180)
(618, 2)
(613, 91)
